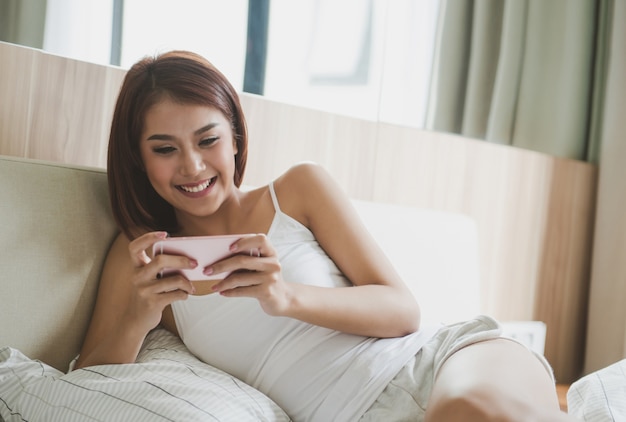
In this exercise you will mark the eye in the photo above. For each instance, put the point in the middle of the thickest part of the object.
(164, 150)
(209, 141)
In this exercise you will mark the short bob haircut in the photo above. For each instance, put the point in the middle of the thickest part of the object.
(183, 77)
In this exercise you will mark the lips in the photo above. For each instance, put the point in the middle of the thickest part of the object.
(197, 187)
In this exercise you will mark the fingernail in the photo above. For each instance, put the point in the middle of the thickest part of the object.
(193, 263)
(208, 271)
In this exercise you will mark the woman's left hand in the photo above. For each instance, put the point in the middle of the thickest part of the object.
(255, 272)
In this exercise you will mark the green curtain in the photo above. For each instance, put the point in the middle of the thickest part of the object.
(606, 331)
(22, 22)
(527, 73)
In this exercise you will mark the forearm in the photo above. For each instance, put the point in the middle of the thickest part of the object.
(120, 345)
(368, 310)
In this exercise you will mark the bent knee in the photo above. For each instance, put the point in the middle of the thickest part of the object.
(492, 380)
(485, 403)
(470, 403)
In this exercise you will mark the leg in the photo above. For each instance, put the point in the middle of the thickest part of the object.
(494, 380)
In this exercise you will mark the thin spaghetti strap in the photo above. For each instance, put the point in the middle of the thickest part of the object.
(274, 198)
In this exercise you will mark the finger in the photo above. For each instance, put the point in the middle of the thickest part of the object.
(243, 263)
(175, 295)
(243, 291)
(263, 270)
(176, 283)
(161, 300)
(138, 247)
(237, 281)
(164, 263)
(169, 284)
(253, 245)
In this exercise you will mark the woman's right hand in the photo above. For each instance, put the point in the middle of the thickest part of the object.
(131, 299)
(150, 293)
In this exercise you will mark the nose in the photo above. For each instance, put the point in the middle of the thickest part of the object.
(192, 163)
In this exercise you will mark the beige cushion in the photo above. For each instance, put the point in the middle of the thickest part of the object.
(56, 228)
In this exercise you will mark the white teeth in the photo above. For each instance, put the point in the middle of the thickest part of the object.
(197, 188)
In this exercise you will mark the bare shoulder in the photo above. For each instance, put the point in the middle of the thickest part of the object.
(119, 245)
(307, 190)
(309, 178)
(303, 174)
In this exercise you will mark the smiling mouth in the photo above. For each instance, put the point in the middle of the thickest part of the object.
(197, 188)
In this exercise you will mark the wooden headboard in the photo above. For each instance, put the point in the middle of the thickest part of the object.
(534, 211)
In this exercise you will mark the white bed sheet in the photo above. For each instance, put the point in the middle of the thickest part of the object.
(600, 395)
(166, 384)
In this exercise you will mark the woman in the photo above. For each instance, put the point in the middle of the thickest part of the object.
(320, 321)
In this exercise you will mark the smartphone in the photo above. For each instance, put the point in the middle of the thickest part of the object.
(204, 249)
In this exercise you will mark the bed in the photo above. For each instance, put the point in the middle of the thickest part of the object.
(600, 395)
(57, 221)
(533, 212)
(507, 231)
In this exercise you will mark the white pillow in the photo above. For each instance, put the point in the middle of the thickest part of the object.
(600, 395)
(166, 383)
(436, 254)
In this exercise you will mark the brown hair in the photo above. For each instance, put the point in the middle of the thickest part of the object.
(186, 78)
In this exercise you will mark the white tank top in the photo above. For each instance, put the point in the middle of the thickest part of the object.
(313, 373)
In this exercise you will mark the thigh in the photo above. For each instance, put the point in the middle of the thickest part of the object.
(407, 395)
(497, 378)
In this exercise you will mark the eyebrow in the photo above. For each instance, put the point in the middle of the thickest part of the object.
(160, 137)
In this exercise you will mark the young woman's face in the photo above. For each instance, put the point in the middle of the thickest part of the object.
(188, 153)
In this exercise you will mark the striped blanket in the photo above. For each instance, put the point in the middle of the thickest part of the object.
(166, 384)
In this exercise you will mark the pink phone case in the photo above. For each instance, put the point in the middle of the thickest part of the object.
(204, 249)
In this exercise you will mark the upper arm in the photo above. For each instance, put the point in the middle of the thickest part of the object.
(331, 216)
(113, 293)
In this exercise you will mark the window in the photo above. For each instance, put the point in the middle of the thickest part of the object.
(364, 58)
(369, 59)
